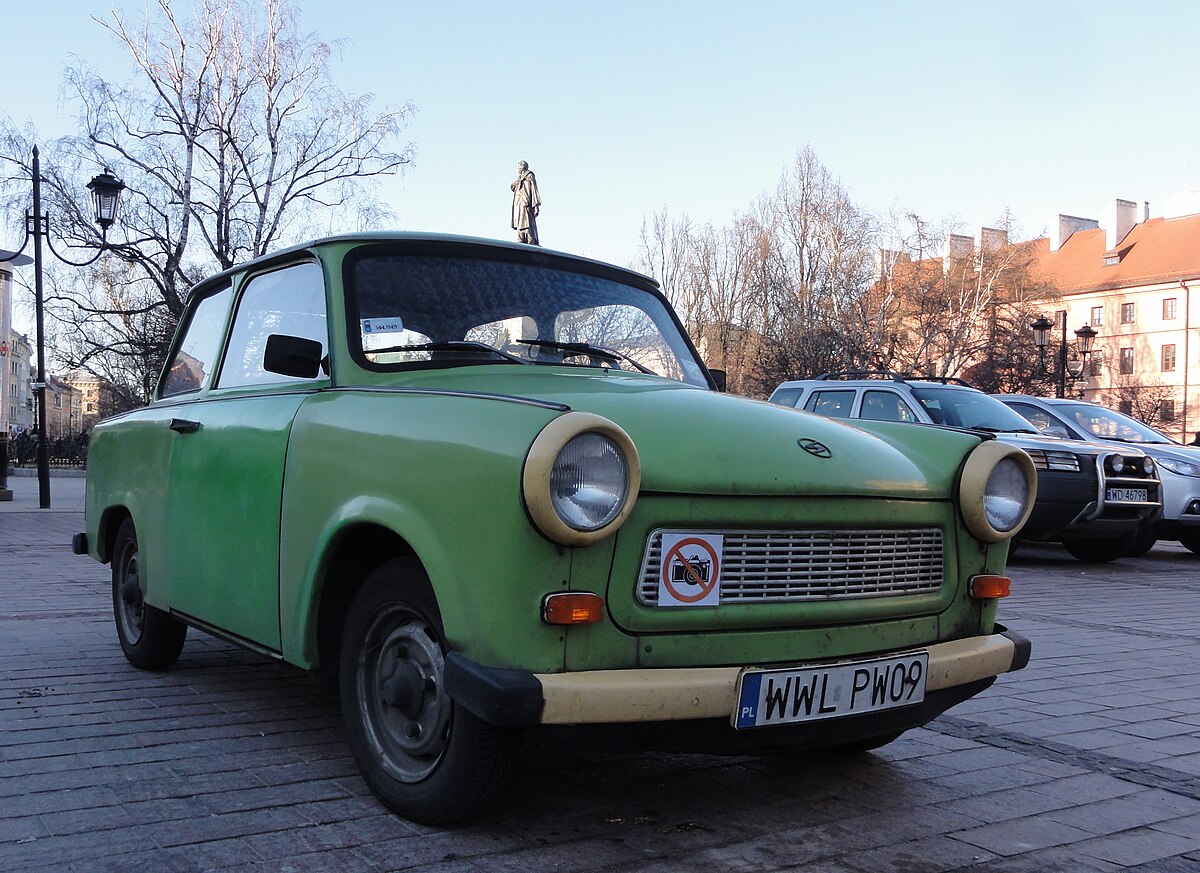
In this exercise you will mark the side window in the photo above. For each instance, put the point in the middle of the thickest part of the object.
(192, 364)
(886, 406)
(833, 404)
(786, 396)
(289, 301)
(1039, 419)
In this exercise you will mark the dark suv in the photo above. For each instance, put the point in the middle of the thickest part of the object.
(1091, 497)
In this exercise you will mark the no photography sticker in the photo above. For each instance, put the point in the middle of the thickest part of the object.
(691, 570)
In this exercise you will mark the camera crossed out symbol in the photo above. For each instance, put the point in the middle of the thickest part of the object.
(702, 572)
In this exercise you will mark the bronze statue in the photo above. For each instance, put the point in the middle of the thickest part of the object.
(526, 204)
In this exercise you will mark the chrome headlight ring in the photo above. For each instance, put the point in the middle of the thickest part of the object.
(997, 491)
(581, 479)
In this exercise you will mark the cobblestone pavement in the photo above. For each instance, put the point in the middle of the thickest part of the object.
(1087, 760)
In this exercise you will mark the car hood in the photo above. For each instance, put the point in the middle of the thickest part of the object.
(1059, 444)
(694, 441)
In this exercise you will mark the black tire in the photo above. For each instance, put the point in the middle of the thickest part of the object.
(150, 638)
(1191, 541)
(1143, 542)
(425, 757)
(1099, 551)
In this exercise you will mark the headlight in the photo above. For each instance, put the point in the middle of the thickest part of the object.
(997, 491)
(581, 479)
(1183, 468)
(589, 481)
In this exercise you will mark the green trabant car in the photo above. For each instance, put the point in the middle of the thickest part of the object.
(492, 492)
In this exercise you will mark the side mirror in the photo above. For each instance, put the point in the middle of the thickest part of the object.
(292, 356)
(1059, 433)
(718, 377)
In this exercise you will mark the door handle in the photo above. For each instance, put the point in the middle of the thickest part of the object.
(182, 425)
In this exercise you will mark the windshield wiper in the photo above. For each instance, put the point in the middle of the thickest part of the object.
(586, 349)
(450, 346)
(987, 429)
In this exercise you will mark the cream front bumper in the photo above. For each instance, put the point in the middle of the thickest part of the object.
(652, 695)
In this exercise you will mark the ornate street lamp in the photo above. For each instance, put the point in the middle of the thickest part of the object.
(1066, 370)
(106, 195)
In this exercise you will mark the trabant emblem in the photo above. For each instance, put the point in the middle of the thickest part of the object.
(814, 448)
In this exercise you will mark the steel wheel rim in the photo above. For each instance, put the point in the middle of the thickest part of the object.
(130, 616)
(406, 713)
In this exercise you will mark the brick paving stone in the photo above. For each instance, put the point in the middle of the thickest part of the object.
(1141, 846)
(1020, 835)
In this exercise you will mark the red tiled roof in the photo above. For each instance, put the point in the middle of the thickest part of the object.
(1157, 250)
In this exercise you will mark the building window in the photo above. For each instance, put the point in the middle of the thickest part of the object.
(1097, 316)
(1168, 357)
(1126, 361)
(1125, 407)
(1127, 313)
(1170, 307)
(1166, 410)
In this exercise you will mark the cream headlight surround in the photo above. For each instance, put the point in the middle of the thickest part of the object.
(539, 468)
(973, 489)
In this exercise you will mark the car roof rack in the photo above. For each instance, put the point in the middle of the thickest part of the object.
(862, 374)
(944, 380)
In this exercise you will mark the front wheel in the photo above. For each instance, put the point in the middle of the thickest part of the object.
(1143, 542)
(150, 638)
(423, 756)
(1100, 551)
(1191, 541)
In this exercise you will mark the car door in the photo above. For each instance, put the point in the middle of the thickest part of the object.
(228, 461)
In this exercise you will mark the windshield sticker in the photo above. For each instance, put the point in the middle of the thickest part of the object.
(691, 570)
(381, 325)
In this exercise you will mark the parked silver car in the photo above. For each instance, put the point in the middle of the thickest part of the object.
(1178, 465)
(1092, 497)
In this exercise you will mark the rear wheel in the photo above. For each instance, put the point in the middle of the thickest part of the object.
(425, 757)
(150, 638)
(1099, 551)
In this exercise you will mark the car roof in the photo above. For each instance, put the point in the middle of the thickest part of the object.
(521, 251)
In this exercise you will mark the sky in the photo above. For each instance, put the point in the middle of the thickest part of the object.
(954, 111)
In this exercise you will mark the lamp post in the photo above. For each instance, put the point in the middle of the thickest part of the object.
(106, 194)
(1066, 370)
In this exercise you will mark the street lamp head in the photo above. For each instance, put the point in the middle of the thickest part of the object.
(106, 193)
(1085, 336)
(1041, 328)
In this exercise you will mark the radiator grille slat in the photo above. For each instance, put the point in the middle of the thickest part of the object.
(798, 566)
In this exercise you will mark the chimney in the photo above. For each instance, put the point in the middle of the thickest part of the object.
(958, 248)
(1121, 219)
(990, 240)
(1146, 213)
(1062, 226)
(886, 261)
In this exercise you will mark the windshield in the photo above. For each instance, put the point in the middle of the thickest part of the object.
(963, 408)
(1105, 424)
(419, 311)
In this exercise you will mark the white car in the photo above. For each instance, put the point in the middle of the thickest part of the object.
(1178, 465)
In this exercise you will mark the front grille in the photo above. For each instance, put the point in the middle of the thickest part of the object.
(818, 565)
(1049, 460)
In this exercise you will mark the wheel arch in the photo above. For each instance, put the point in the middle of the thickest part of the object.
(106, 535)
(351, 557)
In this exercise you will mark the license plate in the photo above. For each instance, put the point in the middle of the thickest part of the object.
(1127, 495)
(771, 697)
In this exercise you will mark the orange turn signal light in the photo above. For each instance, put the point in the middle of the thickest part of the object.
(989, 587)
(573, 608)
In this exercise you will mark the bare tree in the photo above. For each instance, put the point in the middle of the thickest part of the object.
(1148, 402)
(235, 142)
